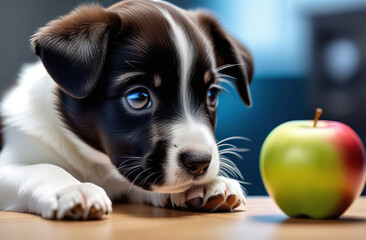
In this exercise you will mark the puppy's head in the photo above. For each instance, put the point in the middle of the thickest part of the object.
(139, 82)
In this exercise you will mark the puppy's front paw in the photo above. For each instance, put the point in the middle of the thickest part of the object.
(222, 194)
(78, 201)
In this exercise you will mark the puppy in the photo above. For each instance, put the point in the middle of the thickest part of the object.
(122, 105)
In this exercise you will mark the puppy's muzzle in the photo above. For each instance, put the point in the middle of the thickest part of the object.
(194, 162)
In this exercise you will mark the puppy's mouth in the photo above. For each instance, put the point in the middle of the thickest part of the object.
(167, 168)
(154, 179)
(151, 180)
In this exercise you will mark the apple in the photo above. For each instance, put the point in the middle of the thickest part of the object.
(313, 168)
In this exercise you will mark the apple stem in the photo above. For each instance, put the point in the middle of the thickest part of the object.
(318, 113)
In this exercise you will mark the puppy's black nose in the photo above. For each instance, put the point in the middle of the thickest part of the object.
(196, 163)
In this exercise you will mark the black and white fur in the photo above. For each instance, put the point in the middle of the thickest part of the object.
(71, 141)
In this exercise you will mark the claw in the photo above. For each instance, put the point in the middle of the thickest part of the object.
(222, 195)
(214, 202)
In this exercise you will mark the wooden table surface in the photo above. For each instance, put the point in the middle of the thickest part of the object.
(260, 219)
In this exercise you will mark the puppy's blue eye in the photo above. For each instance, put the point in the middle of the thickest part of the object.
(212, 97)
(139, 100)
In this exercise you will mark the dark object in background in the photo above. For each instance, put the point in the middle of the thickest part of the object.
(338, 83)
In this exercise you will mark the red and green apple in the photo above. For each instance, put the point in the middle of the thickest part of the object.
(313, 168)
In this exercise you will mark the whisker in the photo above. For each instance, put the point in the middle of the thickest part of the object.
(244, 190)
(134, 169)
(227, 163)
(130, 157)
(228, 169)
(233, 153)
(224, 89)
(226, 144)
(127, 162)
(108, 175)
(221, 88)
(117, 170)
(232, 170)
(156, 178)
(227, 82)
(225, 75)
(235, 149)
(129, 63)
(127, 165)
(234, 138)
(147, 169)
(243, 182)
(223, 173)
(225, 159)
(146, 178)
(222, 67)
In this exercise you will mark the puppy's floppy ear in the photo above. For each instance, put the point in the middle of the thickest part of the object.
(73, 48)
(230, 51)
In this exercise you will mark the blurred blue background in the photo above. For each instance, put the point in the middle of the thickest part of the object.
(307, 53)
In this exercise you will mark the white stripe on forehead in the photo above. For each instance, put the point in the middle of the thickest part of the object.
(186, 57)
